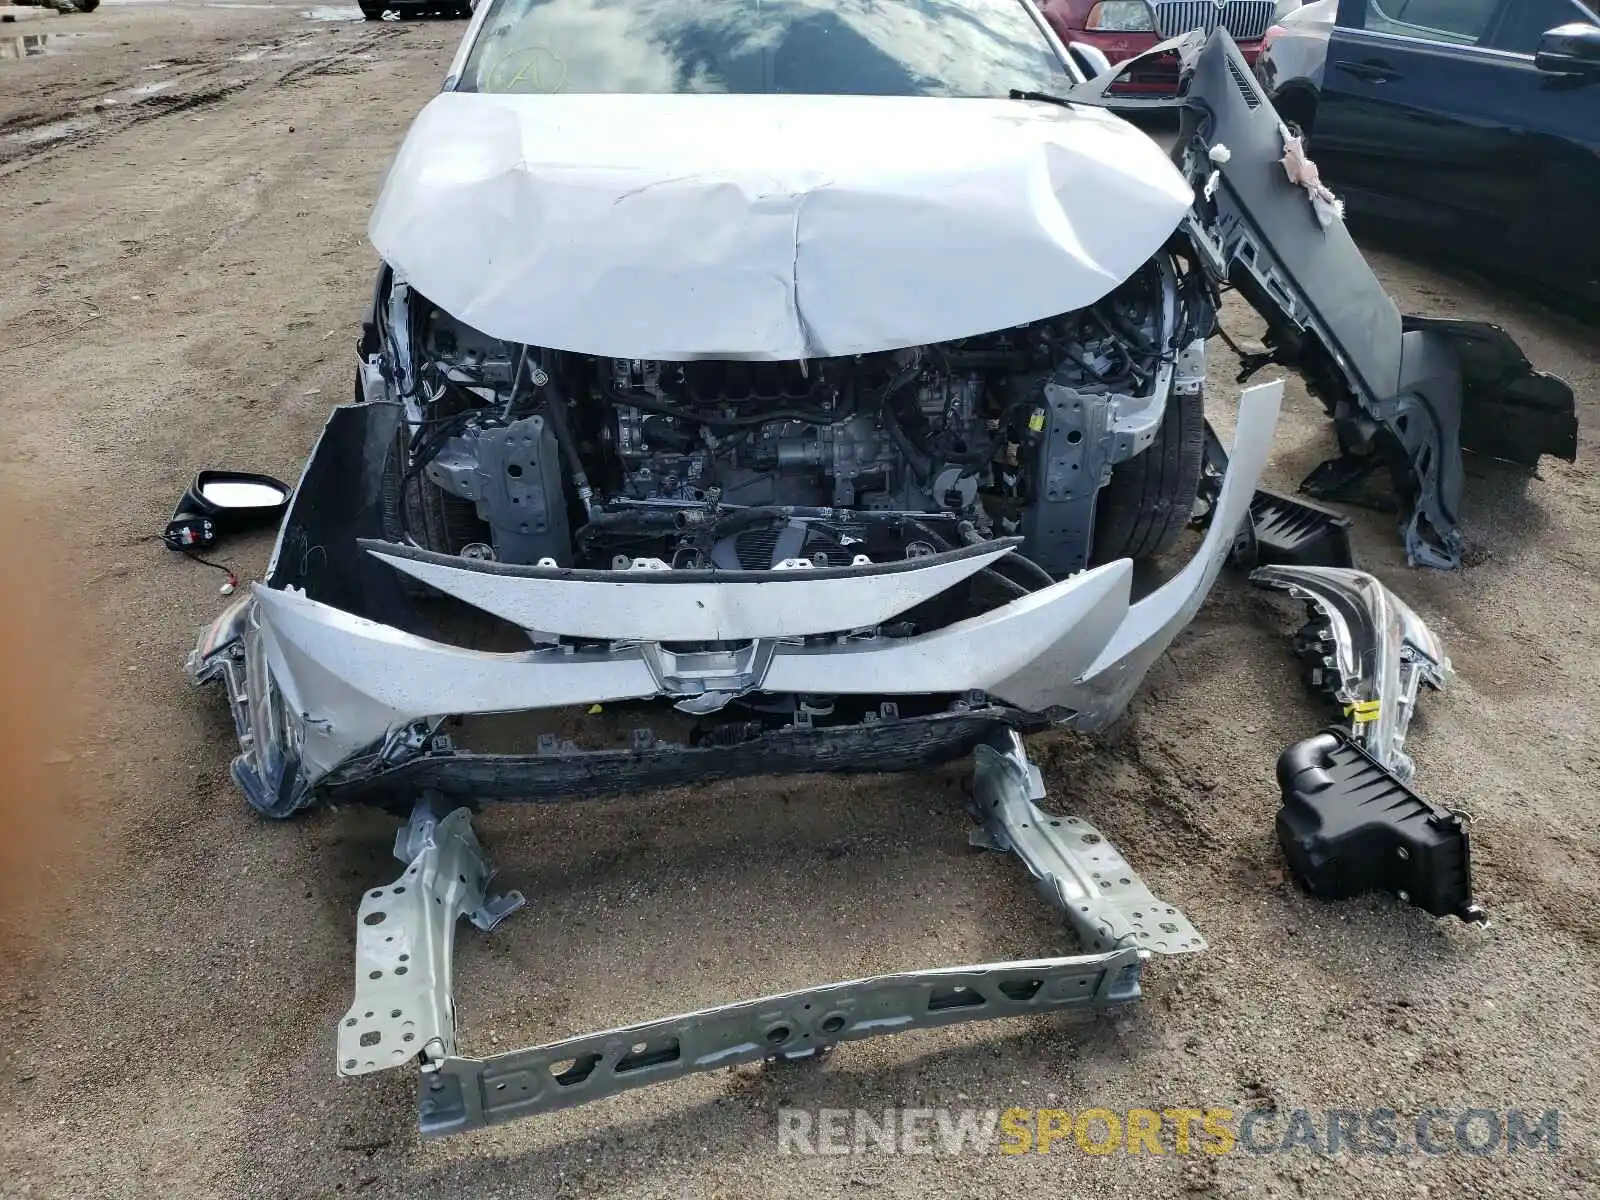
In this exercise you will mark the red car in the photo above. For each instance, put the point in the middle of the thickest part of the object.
(1123, 28)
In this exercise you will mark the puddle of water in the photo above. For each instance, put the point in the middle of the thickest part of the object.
(33, 45)
(331, 13)
(125, 95)
(28, 45)
(269, 53)
(53, 131)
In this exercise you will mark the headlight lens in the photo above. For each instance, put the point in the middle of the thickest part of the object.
(1120, 16)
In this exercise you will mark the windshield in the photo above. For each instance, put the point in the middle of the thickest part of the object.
(828, 47)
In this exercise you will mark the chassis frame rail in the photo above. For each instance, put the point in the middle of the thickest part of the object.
(404, 1007)
(468, 1093)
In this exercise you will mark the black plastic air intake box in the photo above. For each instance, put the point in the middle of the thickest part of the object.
(1348, 826)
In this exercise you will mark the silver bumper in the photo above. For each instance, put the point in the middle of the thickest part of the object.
(314, 687)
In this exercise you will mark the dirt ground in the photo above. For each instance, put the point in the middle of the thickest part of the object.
(183, 197)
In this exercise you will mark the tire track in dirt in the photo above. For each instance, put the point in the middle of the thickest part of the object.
(77, 119)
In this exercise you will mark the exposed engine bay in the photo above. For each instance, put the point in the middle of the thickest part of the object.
(576, 460)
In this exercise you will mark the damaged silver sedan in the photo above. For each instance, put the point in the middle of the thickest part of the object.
(795, 385)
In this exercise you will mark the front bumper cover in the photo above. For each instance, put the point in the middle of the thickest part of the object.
(325, 696)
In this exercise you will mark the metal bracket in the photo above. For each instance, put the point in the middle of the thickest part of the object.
(1077, 868)
(405, 937)
(513, 475)
(1074, 463)
(468, 1093)
(404, 1007)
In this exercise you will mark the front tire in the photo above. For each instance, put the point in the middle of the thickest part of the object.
(418, 510)
(1147, 502)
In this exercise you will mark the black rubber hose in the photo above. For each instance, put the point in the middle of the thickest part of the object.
(427, 439)
(810, 416)
(1015, 559)
(638, 522)
(921, 463)
(556, 406)
(942, 542)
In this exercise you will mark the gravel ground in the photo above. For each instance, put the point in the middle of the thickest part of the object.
(183, 194)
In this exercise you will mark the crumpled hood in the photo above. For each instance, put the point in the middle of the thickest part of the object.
(766, 227)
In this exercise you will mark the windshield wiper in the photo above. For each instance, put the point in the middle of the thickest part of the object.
(1042, 97)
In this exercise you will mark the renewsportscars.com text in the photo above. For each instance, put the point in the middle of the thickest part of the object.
(1104, 1131)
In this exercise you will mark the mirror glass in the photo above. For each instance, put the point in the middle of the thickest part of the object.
(235, 493)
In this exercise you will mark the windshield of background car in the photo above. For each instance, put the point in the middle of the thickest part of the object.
(818, 47)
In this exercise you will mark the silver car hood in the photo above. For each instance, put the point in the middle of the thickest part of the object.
(767, 227)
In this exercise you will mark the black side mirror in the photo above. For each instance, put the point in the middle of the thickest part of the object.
(1570, 50)
(220, 502)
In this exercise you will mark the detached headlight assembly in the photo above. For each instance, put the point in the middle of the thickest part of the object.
(1120, 16)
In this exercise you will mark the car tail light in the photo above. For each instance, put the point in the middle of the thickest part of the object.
(1271, 35)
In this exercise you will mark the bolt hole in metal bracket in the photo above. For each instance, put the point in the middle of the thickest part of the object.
(405, 939)
(404, 1008)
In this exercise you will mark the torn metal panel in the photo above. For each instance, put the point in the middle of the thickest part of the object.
(766, 227)
(1367, 650)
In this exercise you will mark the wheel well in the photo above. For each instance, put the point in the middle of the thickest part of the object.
(1297, 104)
